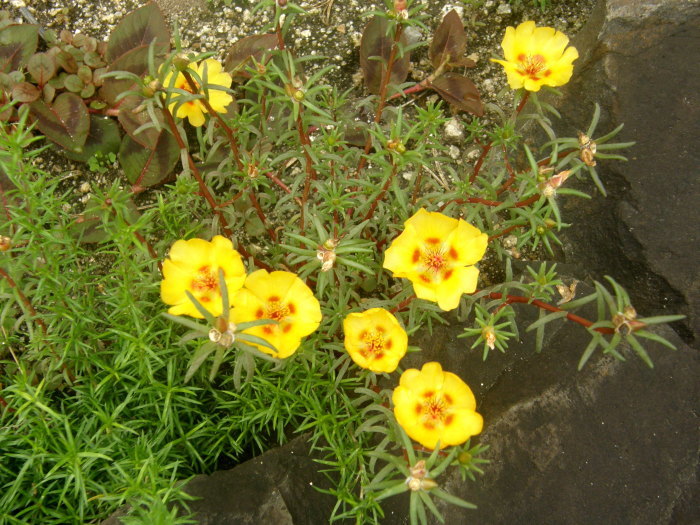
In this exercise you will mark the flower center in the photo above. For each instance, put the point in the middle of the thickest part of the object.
(531, 65)
(277, 310)
(205, 280)
(434, 259)
(374, 344)
(434, 410)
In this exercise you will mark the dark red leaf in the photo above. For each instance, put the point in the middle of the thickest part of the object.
(147, 167)
(459, 92)
(131, 121)
(18, 42)
(450, 41)
(134, 61)
(25, 92)
(104, 137)
(66, 121)
(251, 47)
(375, 50)
(138, 29)
(42, 67)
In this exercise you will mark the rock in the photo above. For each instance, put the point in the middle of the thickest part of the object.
(614, 443)
(636, 58)
(276, 488)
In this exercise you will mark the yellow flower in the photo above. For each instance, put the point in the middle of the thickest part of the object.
(536, 57)
(210, 72)
(193, 265)
(375, 340)
(436, 254)
(432, 405)
(280, 296)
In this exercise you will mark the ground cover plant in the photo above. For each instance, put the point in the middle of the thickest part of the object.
(296, 248)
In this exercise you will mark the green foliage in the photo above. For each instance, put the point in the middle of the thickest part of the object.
(107, 402)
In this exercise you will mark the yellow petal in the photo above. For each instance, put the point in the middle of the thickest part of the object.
(463, 425)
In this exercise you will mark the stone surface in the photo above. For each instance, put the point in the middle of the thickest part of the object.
(279, 487)
(613, 443)
(638, 59)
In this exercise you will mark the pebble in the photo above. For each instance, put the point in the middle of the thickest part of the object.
(454, 129)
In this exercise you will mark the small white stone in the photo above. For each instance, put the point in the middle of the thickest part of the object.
(85, 187)
(408, 175)
(454, 129)
(454, 152)
(504, 9)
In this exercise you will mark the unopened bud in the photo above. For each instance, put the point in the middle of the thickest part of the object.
(282, 3)
(548, 191)
(541, 230)
(399, 5)
(221, 324)
(629, 312)
(5, 243)
(298, 95)
(181, 62)
(330, 244)
(464, 458)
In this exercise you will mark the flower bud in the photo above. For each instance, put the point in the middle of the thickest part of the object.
(181, 62)
(221, 324)
(464, 458)
(629, 312)
(298, 95)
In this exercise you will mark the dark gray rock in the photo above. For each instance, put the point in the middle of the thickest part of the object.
(638, 59)
(614, 443)
(277, 488)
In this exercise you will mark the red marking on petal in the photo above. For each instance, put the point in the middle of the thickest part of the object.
(419, 408)
(453, 253)
(429, 425)
(379, 355)
(428, 394)
(292, 308)
(522, 57)
(259, 313)
(547, 73)
(424, 278)
(416, 256)
(447, 274)
(273, 299)
(432, 240)
(449, 419)
(286, 328)
(447, 398)
(388, 344)
(205, 299)
(267, 329)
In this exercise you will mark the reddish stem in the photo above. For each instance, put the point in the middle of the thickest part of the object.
(477, 167)
(197, 175)
(506, 231)
(510, 299)
(403, 304)
(227, 129)
(261, 214)
(479, 200)
(382, 97)
(380, 195)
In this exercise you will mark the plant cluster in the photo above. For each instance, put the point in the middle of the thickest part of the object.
(301, 247)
